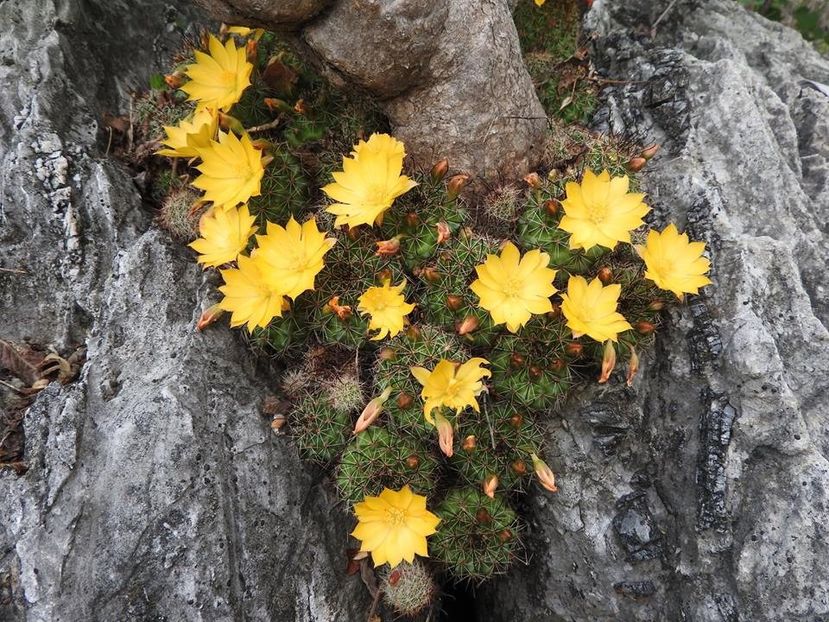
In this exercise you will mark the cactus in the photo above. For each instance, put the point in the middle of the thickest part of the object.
(177, 215)
(477, 536)
(344, 393)
(446, 299)
(284, 190)
(421, 346)
(408, 588)
(282, 336)
(320, 430)
(377, 459)
(497, 442)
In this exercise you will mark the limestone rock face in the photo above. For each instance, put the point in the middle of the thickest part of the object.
(155, 489)
(703, 493)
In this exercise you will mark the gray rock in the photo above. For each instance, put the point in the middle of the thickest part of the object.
(156, 490)
(702, 494)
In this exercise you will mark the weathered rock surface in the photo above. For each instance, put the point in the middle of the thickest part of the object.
(155, 489)
(703, 493)
(448, 73)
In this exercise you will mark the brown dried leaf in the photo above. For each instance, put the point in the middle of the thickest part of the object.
(12, 361)
(279, 76)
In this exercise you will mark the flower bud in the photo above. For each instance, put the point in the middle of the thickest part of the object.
(519, 467)
(574, 349)
(387, 248)
(208, 316)
(516, 360)
(413, 461)
(558, 364)
(645, 328)
(275, 104)
(394, 577)
(404, 400)
(633, 366)
(636, 164)
(608, 361)
(454, 302)
(430, 273)
(175, 80)
(469, 324)
(605, 275)
(371, 411)
(252, 50)
(413, 333)
(440, 169)
(469, 444)
(229, 123)
(343, 312)
(387, 354)
(278, 422)
(443, 232)
(535, 371)
(455, 184)
(545, 475)
(649, 151)
(383, 276)
(533, 180)
(552, 206)
(411, 219)
(656, 305)
(483, 516)
(517, 420)
(445, 435)
(505, 535)
(490, 485)
(300, 107)
(353, 233)
(555, 310)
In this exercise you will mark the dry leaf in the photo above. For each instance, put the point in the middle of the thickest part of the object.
(14, 363)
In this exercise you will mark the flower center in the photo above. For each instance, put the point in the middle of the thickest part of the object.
(396, 516)
(596, 213)
(513, 287)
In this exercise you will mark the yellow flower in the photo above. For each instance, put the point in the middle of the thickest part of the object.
(674, 263)
(600, 210)
(394, 526)
(451, 385)
(191, 134)
(248, 297)
(369, 182)
(224, 234)
(591, 309)
(513, 288)
(290, 257)
(232, 170)
(217, 80)
(539, 2)
(242, 31)
(387, 307)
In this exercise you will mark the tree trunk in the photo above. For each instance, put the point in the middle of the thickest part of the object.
(448, 73)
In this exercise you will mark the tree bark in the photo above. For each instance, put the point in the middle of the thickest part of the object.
(448, 73)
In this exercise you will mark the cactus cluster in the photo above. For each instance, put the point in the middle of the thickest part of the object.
(427, 240)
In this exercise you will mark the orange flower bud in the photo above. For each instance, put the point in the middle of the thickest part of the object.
(574, 349)
(300, 107)
(633, 366)
(387, 248)
(251, 50)
(645, 328)
(533, 180)
(371, 411)
(605, 275)
(342, 311)
(413, 333)
(275, 104)
(520, 467)
(505, 535)
(552, 206)
(516, 360)
(467, 325)
(412, 219)
(175, 79)
(455, 184)
(278, 422)
(490, 485)
(483, 516)
(208, 316)
(445, 435)
(443, 232)
(545, 475)
(656, 305)
(636, 164)
(649, 151)
(404, 400)
(413, 461)
(535, 371)
(454, 302)
(430, 273)
(555, 311)
(608, 361)
(558, 364)
(517, 420)
(469, 444)
(387, 354)
(440, 169)
(229, 123)
(394, 577)
(353, 233)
